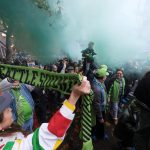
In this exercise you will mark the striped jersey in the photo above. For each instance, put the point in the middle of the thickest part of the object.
(48, 137)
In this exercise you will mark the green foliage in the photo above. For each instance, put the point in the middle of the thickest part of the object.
(42, 4)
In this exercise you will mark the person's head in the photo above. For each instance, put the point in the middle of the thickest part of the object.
(70, 69)
(6, 116)
(101, 74)
(119, 73)
(65, 61)
(91, 45)
(76, 69)
(14, 82)
(46, 67)
(75, 64)
(54, 68)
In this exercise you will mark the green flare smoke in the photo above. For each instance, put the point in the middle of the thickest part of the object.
(119, 29)
(35, 30)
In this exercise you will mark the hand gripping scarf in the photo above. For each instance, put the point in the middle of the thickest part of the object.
(59, 82)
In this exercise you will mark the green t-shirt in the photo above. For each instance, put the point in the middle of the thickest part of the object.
(24, 110)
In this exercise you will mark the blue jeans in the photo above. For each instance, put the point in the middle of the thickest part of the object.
(114, 110)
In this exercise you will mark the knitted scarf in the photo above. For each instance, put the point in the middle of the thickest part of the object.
(60, 82)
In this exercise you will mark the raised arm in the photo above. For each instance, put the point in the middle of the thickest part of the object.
(50, 135)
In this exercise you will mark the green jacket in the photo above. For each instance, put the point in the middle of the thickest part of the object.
(114, 90)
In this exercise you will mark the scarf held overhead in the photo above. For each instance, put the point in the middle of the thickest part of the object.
(60, 82)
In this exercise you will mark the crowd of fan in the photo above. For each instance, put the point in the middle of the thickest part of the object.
(113, 93)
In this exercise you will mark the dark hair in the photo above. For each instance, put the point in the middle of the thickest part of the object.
(99, 78)
(91, 43)
(119, 69)
(14, 128)
(1, 117)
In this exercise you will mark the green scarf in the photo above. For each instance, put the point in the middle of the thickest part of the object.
(60, 82)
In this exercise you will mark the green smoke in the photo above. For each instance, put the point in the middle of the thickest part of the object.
(35, 30)
(119, 29)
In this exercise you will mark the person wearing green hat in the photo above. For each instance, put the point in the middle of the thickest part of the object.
(99, 102)
(49, 135)
(102, 72)
(104, 66)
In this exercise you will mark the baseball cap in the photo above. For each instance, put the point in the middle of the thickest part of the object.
(103, 66)
(101, 72)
